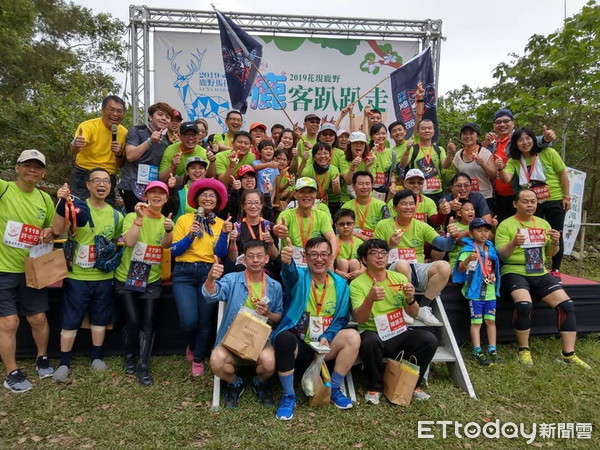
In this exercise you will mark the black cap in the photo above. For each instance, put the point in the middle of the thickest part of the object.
(479, 222)
(503, 112)
(471, 125)
(187, 126)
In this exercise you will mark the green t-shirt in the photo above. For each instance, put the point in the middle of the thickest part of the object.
(431, 170)
(367, 217)
(425, 208)
(344, 166)
(302, 148)
(151, 233)
(453, 254)
(323, 181)
(171, 150)
(321, 224)
(337, 157)
(255, 291)
(104, 224)
(414, 236)
(222, 139)
(515, 263)
(184, 206)
(349, 250)
(381, 166)
(552, 165)
(394, 296)
(222, 161)
(26, 211)
(490, 289)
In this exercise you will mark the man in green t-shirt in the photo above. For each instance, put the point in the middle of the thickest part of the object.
(381, 299)
(87, 289)
(406, 237)
(229, 161)
(234, 122)
(523, 242)
(316, 315)
(26, 215)
(369, 211)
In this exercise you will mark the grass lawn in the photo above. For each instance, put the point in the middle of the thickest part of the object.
(111, 410)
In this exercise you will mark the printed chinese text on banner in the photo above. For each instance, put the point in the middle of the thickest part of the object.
(404, 84)
(241, 58)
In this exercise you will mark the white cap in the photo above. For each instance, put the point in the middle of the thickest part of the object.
(340, 132)
(413, 173)
(358, 136)
(28, 155)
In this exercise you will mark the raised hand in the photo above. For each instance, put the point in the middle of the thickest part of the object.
(396, 237)
(445, 207)
(452, 228)
(216, 271)
(235, 183)
(548, 135)
(156, 136)
(169, 224)
(519, 239)
(451, 147)
(172, 181)
(281, 230)
(177, 158)
(227, 225)
(63, 191)
(79, 141)
(140, 209)
(287, 252)
(376, 294)
(409, 291)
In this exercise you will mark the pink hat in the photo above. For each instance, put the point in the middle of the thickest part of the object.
(207, 183)
(158, 184)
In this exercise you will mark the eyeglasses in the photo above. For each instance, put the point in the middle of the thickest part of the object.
(256, 257)
(317, 255)
(502, 121)
(256, 203)
(377, 253)
(345, 224)
(208, 196)
(114, 111)
(97, 181)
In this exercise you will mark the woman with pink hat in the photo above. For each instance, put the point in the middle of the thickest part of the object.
(199, 240)
(137, 279)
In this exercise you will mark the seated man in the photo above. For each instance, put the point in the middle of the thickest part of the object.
(255, 292)
(381, 297)
(406, 237)
(317, 311)
(523, 242)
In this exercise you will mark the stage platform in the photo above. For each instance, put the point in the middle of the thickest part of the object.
(170, 340)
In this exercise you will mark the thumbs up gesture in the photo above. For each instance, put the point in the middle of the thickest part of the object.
(216, 271)
(548, 135)
(79, 141)
(169, 223)
(235, 183)
(177, 158)
(376, 294)
(287, 252)
(281, 230)
(336, 181)
(63, 191)
(227, 225)
(445, 206)
(172, 181)
(451, 147)
(452, 228)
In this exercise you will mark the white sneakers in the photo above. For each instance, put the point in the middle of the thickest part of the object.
(426, 316)
(372, 397)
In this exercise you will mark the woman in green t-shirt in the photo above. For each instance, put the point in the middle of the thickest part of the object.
(544, 172)
(381, 168)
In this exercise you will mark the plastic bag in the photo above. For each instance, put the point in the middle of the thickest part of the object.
(309, 379)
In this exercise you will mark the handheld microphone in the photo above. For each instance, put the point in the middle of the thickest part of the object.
(113, 129)
(198, 217)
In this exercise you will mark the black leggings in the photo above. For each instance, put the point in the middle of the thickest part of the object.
(418, 343)
(553, 212)
(285, 345)
(139, 316)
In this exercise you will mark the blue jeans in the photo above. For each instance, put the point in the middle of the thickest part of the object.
(196, 317)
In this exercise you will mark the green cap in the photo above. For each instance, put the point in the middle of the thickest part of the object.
(306, 182)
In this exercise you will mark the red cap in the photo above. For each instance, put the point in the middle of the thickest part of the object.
(258, 125)
(243, 170)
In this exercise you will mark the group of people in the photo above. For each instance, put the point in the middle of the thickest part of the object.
(303, 229)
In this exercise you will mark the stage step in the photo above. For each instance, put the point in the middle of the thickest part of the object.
(443, 356)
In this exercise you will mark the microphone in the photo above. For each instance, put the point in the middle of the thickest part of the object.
(113, 129)
(198, 217)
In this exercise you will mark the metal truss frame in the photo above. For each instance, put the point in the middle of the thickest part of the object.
(144, 20)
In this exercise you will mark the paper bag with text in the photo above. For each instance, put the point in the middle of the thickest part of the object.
(399, 380)
(46, 269)
(246, 336)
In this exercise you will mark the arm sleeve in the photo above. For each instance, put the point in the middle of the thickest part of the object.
(443, 243)
(180, 247)
(221, 249)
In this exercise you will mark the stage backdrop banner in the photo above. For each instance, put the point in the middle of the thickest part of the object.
(304, 74)
(573, 216)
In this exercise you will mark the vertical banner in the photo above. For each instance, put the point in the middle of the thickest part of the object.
(241, 59)
(573, 216)
(404, 85)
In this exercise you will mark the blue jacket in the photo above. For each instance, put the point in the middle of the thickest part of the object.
(297, 283)
(232, 290)
(475, 286)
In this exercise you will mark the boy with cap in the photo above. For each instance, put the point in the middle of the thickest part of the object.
(478, 267)
(26, 214)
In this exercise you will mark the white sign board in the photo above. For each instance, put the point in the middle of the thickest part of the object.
(573, 216)
(305, 75)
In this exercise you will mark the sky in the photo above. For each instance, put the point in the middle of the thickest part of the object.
(479, 34)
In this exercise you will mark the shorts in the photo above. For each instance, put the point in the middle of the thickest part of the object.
(16, 298)
(538, 286)
(482, 309)
(419, 277)
(80, 297)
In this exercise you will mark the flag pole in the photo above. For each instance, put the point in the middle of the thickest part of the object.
(370, 90)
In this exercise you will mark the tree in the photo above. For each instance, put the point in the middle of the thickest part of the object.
(57, 59)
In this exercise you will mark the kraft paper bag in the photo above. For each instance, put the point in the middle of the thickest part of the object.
(399, 380)
(246, 336)
(165, 265)
(322, 395)
(46, 269)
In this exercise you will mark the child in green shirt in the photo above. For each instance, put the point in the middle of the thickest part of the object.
(347, 264)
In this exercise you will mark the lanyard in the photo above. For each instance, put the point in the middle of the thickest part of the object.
(263, 288)
(525, 226)
(400, 228)
(319, 303)
(321, 182)
(391, 285)
(482, 263)
(363, 217)
(530, 171)
(427, 155)
(304, 236)
(260, 231)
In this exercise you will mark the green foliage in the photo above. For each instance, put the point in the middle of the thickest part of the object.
(56, 59)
